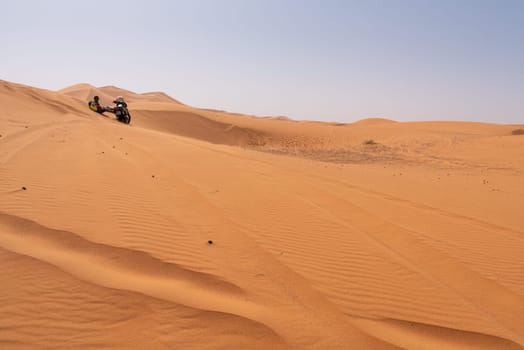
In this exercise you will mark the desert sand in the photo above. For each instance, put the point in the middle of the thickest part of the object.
(202, 229)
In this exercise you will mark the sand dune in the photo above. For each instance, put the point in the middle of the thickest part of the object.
(320, 238)
(109, 93)
(86, 92)
(373, 121)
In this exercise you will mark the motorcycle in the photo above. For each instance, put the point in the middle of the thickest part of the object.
(121, 112)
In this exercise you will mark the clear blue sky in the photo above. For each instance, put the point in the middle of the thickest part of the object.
(323, 60)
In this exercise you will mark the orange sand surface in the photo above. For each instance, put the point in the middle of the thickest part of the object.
(370, 235)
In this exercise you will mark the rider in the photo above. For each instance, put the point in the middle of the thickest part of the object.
(120, 100)
(95, 106)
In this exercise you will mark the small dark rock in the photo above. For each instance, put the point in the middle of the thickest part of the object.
(210, 242)
(153, 176)
(24, 188)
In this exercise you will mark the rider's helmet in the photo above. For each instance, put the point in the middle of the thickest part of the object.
(96, 98)
(119, 99)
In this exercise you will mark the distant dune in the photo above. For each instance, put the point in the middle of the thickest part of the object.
(202, 229)
(374, 121)
(86, 92)
(108, 93)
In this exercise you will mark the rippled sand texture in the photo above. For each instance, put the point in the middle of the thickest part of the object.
(370, 235)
